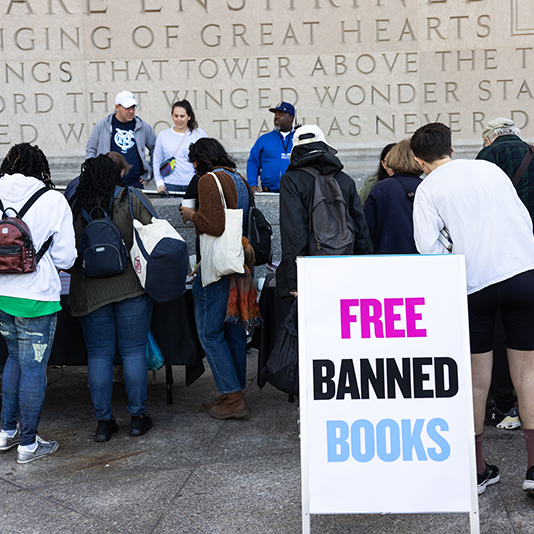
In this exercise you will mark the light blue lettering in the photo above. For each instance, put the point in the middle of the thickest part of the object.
(438, 439)
(337, 435)
(412, 440)
(394, 440)
(369, 440)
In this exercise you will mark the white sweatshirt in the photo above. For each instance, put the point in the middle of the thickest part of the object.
(477, 202)
(49, 216)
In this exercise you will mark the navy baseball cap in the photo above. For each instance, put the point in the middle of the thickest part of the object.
(283, 106)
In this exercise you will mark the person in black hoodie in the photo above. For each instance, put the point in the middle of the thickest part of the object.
(310, 149)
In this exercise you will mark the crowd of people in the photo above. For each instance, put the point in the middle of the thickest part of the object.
(482, 209)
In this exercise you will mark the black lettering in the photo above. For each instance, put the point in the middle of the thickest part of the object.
(347, 374)
(367, 375)
(319, 379)
(403, 380)
(419, 377)
(439, 377)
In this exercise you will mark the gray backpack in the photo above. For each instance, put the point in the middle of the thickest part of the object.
(331, 231)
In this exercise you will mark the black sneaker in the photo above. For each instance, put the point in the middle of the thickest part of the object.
(528, 485)
(487, 478)
(106, 429)
(508, 421)
(140, 424)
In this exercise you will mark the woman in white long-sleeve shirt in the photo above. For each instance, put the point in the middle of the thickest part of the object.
(29, 302)
(174, 143)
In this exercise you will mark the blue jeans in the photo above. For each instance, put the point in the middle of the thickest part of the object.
(124, 325)
(225, 344)
(176, 187)
(29, 343)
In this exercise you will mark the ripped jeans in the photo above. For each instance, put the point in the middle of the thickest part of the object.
(29, 343)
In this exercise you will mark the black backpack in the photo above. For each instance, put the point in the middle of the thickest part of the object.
(17, 251)
(259, 233)
(331, 231)
(102, 249)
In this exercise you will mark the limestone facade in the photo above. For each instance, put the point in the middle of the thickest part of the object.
(367, 71)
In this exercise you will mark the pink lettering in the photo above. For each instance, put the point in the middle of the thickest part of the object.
(374, 317)
(346, 317)
(412, 317)
(392, 317)
(371, 314)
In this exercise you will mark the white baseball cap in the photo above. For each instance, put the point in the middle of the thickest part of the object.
(126, 99)
(309, 134)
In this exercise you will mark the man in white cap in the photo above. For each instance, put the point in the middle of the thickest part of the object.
(311, 158)
(126, 134)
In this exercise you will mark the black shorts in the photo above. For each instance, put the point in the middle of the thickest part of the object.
(515, 297)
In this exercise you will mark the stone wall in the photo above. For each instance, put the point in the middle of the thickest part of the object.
(168, 208)
(367, 71)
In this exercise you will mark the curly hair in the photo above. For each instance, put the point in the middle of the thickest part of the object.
(98, 179)
(28, 160)
(207, 154)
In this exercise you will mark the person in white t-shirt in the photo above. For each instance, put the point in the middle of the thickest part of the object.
(174, 143)
(477, 204)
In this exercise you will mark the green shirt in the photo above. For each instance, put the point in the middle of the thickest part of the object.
(27, 307)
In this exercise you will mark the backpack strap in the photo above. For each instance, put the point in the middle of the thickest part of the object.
(43, 249)
(29, 203)
(88, 216)
(523, 167)
(24, 210)
(409, 194)
(141, 199)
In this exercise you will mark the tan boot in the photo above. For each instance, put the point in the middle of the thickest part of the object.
(207, 406)
(232, 405)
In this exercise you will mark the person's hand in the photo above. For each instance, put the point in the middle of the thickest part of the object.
(187, 214)
(191, 276)
(146, 182)
(162, 189)
(255, 189)
(294, 293)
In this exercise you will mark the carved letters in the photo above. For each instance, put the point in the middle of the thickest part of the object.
(366, 71)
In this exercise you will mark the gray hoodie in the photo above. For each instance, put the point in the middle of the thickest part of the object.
(100, 141)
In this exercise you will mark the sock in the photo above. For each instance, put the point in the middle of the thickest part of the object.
(481, 463)
(30, 448)
(10, 433)
(529, 439)
(505, 407)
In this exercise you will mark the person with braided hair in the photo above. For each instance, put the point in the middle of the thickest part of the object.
(29, 302)
(113, 311)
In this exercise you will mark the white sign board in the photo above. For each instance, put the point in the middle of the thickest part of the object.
(385, 381)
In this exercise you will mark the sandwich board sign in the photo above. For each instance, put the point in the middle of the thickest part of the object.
(385, 386)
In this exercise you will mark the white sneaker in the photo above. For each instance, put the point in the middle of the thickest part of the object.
(44, 448)
(7, 441)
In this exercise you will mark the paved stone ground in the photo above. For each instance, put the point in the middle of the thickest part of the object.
(194, 475)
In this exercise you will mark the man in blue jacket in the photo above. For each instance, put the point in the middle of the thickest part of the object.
(270, 154)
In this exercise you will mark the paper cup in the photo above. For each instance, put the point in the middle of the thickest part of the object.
(189, 202)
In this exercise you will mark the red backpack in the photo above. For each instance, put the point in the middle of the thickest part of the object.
(17, 252)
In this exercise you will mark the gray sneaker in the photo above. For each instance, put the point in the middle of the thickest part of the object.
(6, 442)
(44, 448)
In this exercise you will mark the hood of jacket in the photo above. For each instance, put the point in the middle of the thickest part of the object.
(17, 188)
(315, 155)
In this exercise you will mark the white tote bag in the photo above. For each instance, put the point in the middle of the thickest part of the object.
(223, 255)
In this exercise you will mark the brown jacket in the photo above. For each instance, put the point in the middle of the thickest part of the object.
(209, 219)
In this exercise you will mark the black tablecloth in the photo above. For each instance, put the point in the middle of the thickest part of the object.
(173, 326)
(273, 312)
